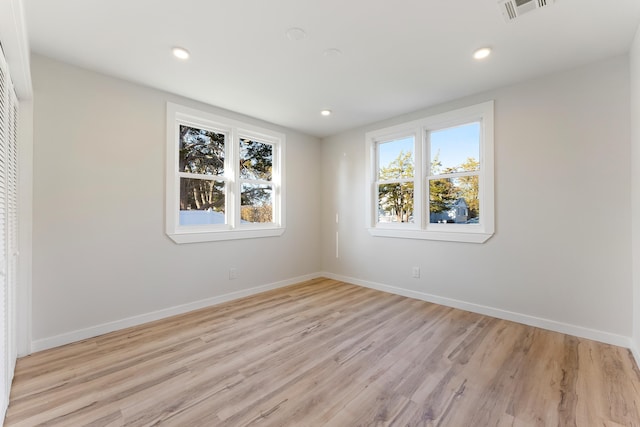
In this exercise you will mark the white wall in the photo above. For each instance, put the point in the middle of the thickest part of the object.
(560, 255)
(559, 259)
(635, 168)
(99, 156)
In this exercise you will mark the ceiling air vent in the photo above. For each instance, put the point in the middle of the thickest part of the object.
(511, 9)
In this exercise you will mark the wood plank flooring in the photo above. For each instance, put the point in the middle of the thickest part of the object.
(326, 353)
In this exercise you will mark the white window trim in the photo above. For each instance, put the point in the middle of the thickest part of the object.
(234, 130)
(422, 228)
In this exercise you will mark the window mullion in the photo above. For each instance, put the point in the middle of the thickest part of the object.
(255, 182)
(277, 177)
(454, 175)
(201, 176)
(417, 179)
(232, 173)
(396, 181)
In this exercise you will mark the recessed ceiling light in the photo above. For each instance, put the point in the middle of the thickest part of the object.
(482, 53)
(325, 112)
(180, 53)
(296, 34)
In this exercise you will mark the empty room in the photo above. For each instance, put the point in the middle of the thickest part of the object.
(301, 213)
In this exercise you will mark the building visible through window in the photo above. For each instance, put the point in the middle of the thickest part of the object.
(433, 178)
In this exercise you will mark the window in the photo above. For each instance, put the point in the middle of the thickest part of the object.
(224, 178)
(433, 178)
(454, 171)
(395, 180)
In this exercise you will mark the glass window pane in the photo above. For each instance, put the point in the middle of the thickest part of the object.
(256, 203)
(395, 202)
(201, 202)
(454, 200)
(201, 151)
(455, 149)
(256, 160)
(395, 159)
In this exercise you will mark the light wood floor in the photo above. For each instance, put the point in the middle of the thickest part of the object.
(326, 353)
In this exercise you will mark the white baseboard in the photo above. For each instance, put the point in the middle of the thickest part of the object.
(551, 325)
(578, 331)
(94, 331)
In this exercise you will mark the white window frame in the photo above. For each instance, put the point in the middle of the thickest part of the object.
(421, 228)
(233, 130)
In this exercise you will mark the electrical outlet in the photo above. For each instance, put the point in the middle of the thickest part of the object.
(415, 272)
(233, 273)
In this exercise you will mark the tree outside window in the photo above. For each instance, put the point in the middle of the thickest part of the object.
(396, 180)
(225, 178)
(432, 178)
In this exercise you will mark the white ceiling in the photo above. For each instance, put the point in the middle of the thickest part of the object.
(397, 55)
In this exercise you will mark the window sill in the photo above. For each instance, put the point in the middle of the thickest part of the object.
(447, 236)
(215, 236)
